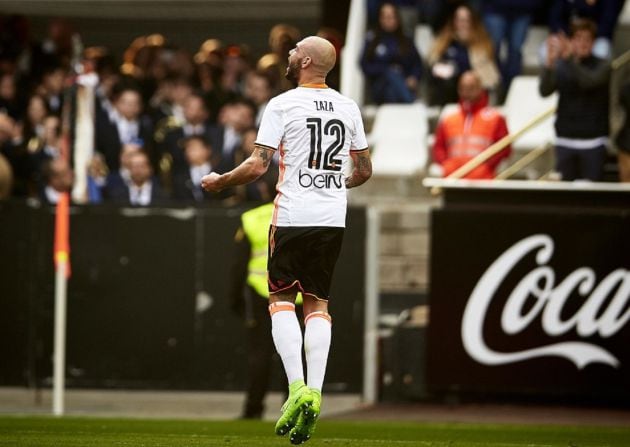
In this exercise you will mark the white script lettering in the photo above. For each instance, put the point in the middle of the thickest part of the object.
(549, 303)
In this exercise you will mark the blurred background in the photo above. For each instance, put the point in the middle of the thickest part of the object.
(126, 105)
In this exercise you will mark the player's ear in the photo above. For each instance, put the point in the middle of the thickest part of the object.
(306, 61)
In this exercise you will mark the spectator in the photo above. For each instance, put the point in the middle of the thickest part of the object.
(604, 13)
(33, 127)
(9, 101)
(170, 134)
(623, 137)
(12, 147)
(51, 88)
(282, 38)
(46, 147)
(6, 178)
(168, 101)
(143, 188)
(390, 60)
(468, 131)
(258, 89)
(508, 20)
(125, 124)
(463, 44)
(235, 67)
(187, 183)
(117, 182)
(235, 119)
(583, 82)
(58, 178)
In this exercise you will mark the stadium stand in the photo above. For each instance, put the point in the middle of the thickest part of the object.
(398, 140)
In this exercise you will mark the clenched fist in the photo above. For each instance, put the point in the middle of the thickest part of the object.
(211, 182)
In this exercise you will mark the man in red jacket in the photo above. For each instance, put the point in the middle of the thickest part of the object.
(469, 130)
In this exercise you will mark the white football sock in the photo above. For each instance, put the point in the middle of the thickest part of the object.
(287, 337)
(316, 344)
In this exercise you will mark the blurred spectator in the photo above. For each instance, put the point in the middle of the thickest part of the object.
(170, 134)
(99, 60)
(97, 177)
(167, 103)
(6, 178)
(51, 88)
(604, 13)
(58, 178)
(235, 119)
(187, 183)
(282, 39)
(264, 188)
(56, 48)
(9, 100)
(13, 148)
(125, 124)
(45, 148)
(258, 90)
(117, 182)
(583, 82)
(390, 60)
(407, 11)
(623, 137)
(508, 20)
(463, 44)
(235, 67)
(33, 127)
(435, 13)
(143, 188)
(468, 131)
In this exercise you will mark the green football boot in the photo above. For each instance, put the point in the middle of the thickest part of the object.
(300, 397)
(307, 419)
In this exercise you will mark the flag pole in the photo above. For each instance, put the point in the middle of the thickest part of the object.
(62, 246)
(59, 373)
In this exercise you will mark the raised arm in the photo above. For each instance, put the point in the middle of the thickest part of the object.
(362, 168)
(248, 171)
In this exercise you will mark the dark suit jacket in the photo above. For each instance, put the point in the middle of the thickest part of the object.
(185, 190)
(173, 145)
(117, 191)
(108, 141)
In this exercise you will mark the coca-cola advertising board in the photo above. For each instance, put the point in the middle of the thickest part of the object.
(531, 302)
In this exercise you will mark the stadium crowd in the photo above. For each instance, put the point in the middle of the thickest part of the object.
(164, 117)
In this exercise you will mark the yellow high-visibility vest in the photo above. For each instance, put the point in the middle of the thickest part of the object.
(256, 228)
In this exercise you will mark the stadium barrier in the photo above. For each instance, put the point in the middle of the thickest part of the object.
(146, 300)
(530, 291)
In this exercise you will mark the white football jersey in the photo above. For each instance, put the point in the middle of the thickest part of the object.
(314, 128)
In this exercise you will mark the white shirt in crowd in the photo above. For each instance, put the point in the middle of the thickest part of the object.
(197, 172)
(128, 131)
(140, 195)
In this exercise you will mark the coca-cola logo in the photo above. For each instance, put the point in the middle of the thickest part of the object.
(549, 301)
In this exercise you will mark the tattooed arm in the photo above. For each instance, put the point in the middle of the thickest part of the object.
(248, 171)
(362, 168)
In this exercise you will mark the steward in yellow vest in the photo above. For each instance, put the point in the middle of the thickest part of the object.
(249, 296)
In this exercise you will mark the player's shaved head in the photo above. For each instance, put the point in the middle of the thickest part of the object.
(321, 51)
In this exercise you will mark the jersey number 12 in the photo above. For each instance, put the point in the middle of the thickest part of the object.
(325, 160)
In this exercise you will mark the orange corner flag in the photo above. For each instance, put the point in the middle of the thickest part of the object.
(62, 232)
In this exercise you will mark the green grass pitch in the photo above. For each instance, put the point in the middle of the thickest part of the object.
(30, 431)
